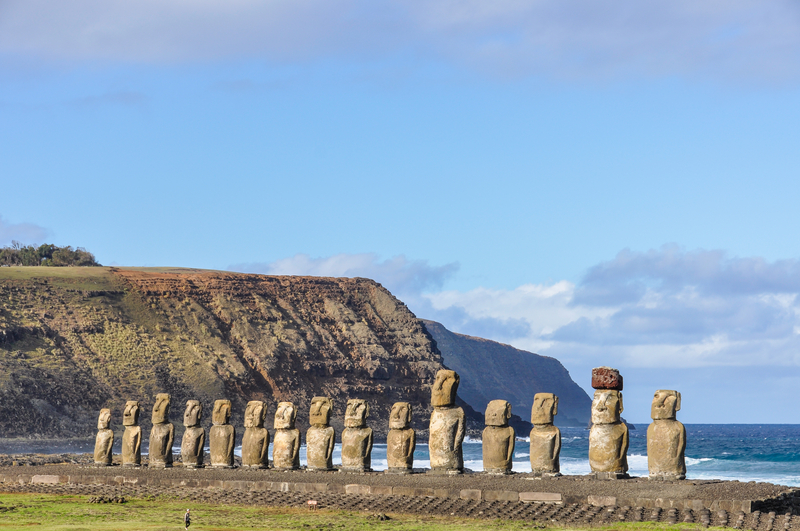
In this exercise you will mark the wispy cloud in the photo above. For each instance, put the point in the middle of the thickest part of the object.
(26, 233)
(745, 40)
(398, 274)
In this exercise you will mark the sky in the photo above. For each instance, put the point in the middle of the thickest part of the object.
(607, 183)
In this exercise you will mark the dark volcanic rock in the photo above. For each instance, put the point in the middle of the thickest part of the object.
(491, 370)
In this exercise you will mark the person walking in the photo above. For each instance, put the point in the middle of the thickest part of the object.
(187, 519)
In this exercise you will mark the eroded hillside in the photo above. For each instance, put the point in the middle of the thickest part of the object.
(78, 339)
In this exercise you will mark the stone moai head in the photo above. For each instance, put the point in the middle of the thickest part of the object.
(320, 412)
(443, 392)
(222, 412)
(161, 409)
(400, 417)
(606, 406)
(193, 413)
(355, 416)
(498, 412)
(254, 414)
(104, 419)
(130, 416)
(665, 405)
(545, 407)
(285, 416)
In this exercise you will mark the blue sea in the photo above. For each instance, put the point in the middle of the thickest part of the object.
(744, 452)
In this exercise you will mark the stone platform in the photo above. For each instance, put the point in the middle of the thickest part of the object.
(688, 495)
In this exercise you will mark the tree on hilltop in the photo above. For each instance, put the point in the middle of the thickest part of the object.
(45, 255)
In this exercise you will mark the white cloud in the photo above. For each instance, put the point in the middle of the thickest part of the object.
(662, 308)
(26, 233)
(749, 40)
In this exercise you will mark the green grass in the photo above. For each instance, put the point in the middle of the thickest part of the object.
(52, 512)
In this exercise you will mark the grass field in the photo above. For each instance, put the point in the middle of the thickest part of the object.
(74, 513)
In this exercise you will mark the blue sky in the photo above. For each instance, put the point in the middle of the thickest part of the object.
(609, 184)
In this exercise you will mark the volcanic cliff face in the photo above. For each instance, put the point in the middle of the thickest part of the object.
(490, 370)
(73, 340)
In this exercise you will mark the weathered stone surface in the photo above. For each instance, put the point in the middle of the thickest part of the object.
(162, 434)
(194, 438)
(356, 437)
(446, 432)
(666, 438)
(320, 437)
(286, 447)
(401, 440)
(606, 378)
(608, 437)
(498, 438)
(221, 436)
(255, 442)
(104, 442)
(132, 438)
(545, 445)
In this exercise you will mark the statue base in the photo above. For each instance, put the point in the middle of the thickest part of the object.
(132, 465)
(536, 474)
(159, 465)
(320, 469)
(223, 466)
(497, 471)
(192, 466)
(102, 463)
(398, 470)
(667, 477)
(445, 471)
(609, 475)
(355, 469)
(255, 467)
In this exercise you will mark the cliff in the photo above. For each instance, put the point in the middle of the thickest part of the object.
(491, 370)
(73, 340)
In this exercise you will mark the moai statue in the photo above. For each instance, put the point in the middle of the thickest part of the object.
(286, 448)
(356, 437)
(194, 438)
(608, 438)
(105, 439)
(320, 437)
(222, 435)
(162, 434)
(666, 438)
(446, 432)
(132, 438)
(545, 438)
(256, 437)
(401, 440)
(498, 438)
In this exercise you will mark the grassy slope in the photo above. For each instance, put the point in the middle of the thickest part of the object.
(51, 513)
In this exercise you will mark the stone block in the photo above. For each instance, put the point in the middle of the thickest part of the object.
(45, 478)
(602, 501)
(500, 495)
(540, 497)
(470, 494)
(380, 490)
(446, 493)
(606, 378)
(360, 490)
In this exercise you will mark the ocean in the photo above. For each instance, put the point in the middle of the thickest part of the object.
(744, 452)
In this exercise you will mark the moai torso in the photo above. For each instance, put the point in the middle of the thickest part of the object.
(104, 442)
(162, 434)
(255, 442)
(132, 438)
(666, 438)
(221, 436)
(545, 437)
(194, 438)
(446, 433)
(498, 438)
(401, 440)
(286, 447)
(320, 437)
(356, 438)
(608, 437)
